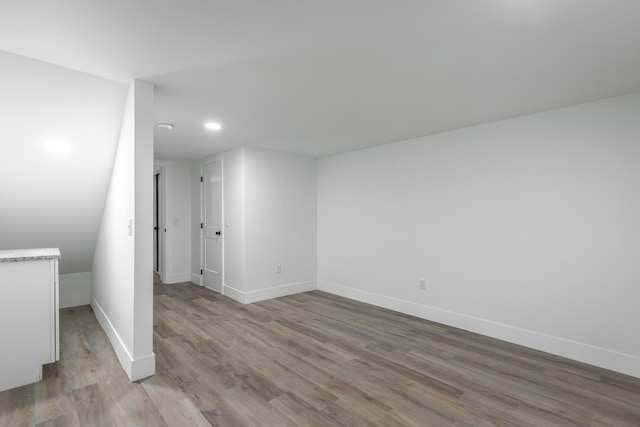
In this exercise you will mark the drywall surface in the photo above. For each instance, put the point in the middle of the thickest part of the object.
(280, 217)
(114, 259)
(143, 356)
(55, 199)
(122, 287)
(525, 229)
(75, 289)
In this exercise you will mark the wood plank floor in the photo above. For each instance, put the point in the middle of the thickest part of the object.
(312, 359)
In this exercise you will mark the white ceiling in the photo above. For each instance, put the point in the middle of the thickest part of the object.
(323, 77)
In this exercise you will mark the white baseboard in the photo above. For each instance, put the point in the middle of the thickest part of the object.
(143, 367)
(177, 278)
(75, 289)
(624, 363)
(268, 293)
(196, 279)
(135, 369)
(234, 294)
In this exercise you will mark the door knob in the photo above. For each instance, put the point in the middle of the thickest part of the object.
(218, 233)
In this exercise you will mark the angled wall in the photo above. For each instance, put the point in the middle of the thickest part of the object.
(122, 289)
(55, 199)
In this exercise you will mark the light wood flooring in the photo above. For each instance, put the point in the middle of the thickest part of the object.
(312, 359)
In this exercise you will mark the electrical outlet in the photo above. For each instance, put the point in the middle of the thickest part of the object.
(278, 268)
(423, 284)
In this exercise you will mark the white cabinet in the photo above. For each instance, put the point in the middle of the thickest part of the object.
(29, 330)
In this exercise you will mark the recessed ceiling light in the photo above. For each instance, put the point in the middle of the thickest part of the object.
(58, 146)
(164, 125)
(213, 125)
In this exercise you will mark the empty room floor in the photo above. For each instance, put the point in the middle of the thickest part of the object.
(312, 359)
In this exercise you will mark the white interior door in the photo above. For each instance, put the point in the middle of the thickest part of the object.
(212, 225)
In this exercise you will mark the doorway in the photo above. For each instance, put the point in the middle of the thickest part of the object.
(211, 225)
(158, 222)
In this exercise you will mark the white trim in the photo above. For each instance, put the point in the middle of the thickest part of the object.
(135, 369)
(143, 367)
(604, 358)
(56, 312)
(196, 279)
(234, 294)
(177, 278)
(269, 293)
(120, 349)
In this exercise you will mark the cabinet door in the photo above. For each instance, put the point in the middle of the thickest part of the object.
(26, 310)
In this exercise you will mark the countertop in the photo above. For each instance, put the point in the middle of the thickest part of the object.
(16, 255)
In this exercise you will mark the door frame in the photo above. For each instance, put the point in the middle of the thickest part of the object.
(160, 170)
(222, 217)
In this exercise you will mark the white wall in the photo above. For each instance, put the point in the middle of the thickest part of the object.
(122, 288)
(144, 362)
(280, 221)
(74, 289)
(176, 180)
(270, 218)
(55, 199)
(525, 229)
